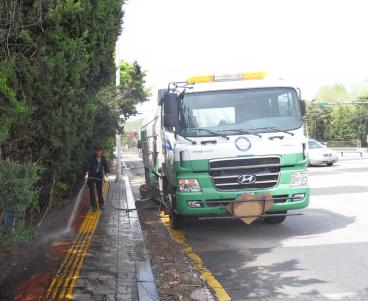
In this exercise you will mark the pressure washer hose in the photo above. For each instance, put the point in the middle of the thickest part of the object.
(92, 178)
(126, 210)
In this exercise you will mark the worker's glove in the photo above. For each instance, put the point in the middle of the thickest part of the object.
(86, 179)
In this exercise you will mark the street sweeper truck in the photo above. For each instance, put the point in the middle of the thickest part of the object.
(227, 146)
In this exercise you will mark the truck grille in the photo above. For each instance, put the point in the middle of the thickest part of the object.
(259, 172)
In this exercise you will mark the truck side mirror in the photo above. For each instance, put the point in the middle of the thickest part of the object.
(303, 107)
(171, 118)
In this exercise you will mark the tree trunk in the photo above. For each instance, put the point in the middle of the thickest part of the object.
(49, 204)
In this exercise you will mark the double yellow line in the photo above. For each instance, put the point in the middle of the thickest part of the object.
(62, 285)
(212, 282)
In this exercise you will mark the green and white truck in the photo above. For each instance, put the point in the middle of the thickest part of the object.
(216, 137)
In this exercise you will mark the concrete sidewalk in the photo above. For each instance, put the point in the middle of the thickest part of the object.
(117, 265)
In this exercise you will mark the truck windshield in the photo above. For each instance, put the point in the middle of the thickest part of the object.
(228, 112)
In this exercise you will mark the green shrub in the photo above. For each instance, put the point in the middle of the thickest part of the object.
(22, 232)
(18, 194)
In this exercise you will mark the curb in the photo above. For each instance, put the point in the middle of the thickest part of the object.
(147, 290)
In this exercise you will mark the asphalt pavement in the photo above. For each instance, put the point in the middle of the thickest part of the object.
(322, 255)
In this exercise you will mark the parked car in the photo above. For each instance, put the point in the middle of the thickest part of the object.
(319, 154)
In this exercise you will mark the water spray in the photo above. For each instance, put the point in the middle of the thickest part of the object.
(76, 205)
(78, 200)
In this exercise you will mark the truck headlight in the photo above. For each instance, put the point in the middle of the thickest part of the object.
(189, 185)
(299, 178)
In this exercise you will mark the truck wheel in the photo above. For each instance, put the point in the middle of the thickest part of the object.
(176, 220)
(275, 219)
(150, 189)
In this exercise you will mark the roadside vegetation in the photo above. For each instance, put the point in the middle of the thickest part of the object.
(330, 118)
(57, 100)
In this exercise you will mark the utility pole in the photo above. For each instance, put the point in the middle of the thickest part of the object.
(118, 136)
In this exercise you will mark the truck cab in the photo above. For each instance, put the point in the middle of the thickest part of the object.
(217, 137)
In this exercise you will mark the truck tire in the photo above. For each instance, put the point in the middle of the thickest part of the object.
(176, 220)
(153, 192)
(275, 219)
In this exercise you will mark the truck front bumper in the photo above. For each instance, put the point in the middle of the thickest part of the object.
(283, 195)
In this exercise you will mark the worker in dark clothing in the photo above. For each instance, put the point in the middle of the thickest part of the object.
(97, 170)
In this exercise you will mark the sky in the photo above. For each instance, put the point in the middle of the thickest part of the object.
(309, 42)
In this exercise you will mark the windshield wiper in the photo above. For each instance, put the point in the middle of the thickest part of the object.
(186, 138)
(211, 132)
(243, 132)
(275, 129)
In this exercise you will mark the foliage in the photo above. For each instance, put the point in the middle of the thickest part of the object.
(56, 58)
(17, 186)
(18, 197)
(134, 125)
(64, 56)
(22, 232)
(132, 87)
(119, 103)
(60, 54)
(343, 122)
(360, 120)
(333, 93)
(360, 90)
(318, 121)
(339, 122)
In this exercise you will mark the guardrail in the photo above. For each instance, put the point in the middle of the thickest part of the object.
(343, 144)
(342, 150)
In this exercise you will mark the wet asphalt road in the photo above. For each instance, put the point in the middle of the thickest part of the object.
(322, 255)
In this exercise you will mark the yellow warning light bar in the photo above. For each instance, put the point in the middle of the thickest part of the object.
(254, 75)
(201, 79)
(226, 77)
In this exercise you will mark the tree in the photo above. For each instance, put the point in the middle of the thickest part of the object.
(117, 104)
(360, 90)
(345, 122)
(333, 93)
(55, 57)
(360, 120)
(318, 121)
(342, 123)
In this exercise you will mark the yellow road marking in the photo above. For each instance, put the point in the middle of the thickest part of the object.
(74, 275)
(61, 287)
(55, 284)
(179, 236)
(79, 258)
(62, 275)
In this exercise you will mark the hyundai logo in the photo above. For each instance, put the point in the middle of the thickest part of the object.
(247, 179)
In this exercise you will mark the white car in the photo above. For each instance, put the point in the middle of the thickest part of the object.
(319, 154)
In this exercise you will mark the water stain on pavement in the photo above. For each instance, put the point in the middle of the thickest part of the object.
(35, 265)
